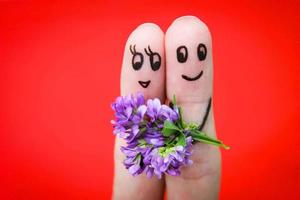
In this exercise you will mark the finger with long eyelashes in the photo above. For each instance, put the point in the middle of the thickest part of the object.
(144, 61)
(189, 76)
(140, 73)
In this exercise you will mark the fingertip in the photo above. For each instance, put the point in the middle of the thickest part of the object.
(143, 68)
(150, 26)
(189, 76)
(188, 20)
(145, 33)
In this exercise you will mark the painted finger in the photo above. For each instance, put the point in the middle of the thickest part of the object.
(143, 70)
(189, 77)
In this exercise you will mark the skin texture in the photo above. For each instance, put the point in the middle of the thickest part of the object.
(202, 179)
(125, 185)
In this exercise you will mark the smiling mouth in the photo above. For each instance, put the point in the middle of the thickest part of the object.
(144, 84)
(193, 78)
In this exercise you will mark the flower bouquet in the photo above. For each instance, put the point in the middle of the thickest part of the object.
(158, 140)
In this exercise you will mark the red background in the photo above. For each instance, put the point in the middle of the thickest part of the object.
(60, 66)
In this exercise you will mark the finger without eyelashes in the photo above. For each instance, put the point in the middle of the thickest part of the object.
(189, 76)
(189, 67)
(143, 70)
(189, 37)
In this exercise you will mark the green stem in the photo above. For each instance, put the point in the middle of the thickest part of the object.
(201, 137)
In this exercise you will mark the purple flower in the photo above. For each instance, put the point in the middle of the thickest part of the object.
(140, 113)
(156, 111)
(140, 100)
(169, 114)
(120, 131)
(154, 138)
(153, 108)
(132, 161)
(168, 159)
(129, 113)
(141, 123)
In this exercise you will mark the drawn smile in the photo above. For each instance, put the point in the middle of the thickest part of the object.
(144, 84)
(193, 78)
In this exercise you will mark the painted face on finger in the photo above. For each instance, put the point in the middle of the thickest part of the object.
(189, 61)
(143, 66)
(138, 61)
(182, 56)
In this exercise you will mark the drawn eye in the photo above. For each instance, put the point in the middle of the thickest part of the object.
(155, 59)
(137, 58)
(137, 61)
(182, 54)
(202, 51)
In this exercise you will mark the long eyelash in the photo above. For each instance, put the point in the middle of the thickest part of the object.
(150, 49)
(132, 51)
(151, 52)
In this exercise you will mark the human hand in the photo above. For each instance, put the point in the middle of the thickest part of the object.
(162, 65)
